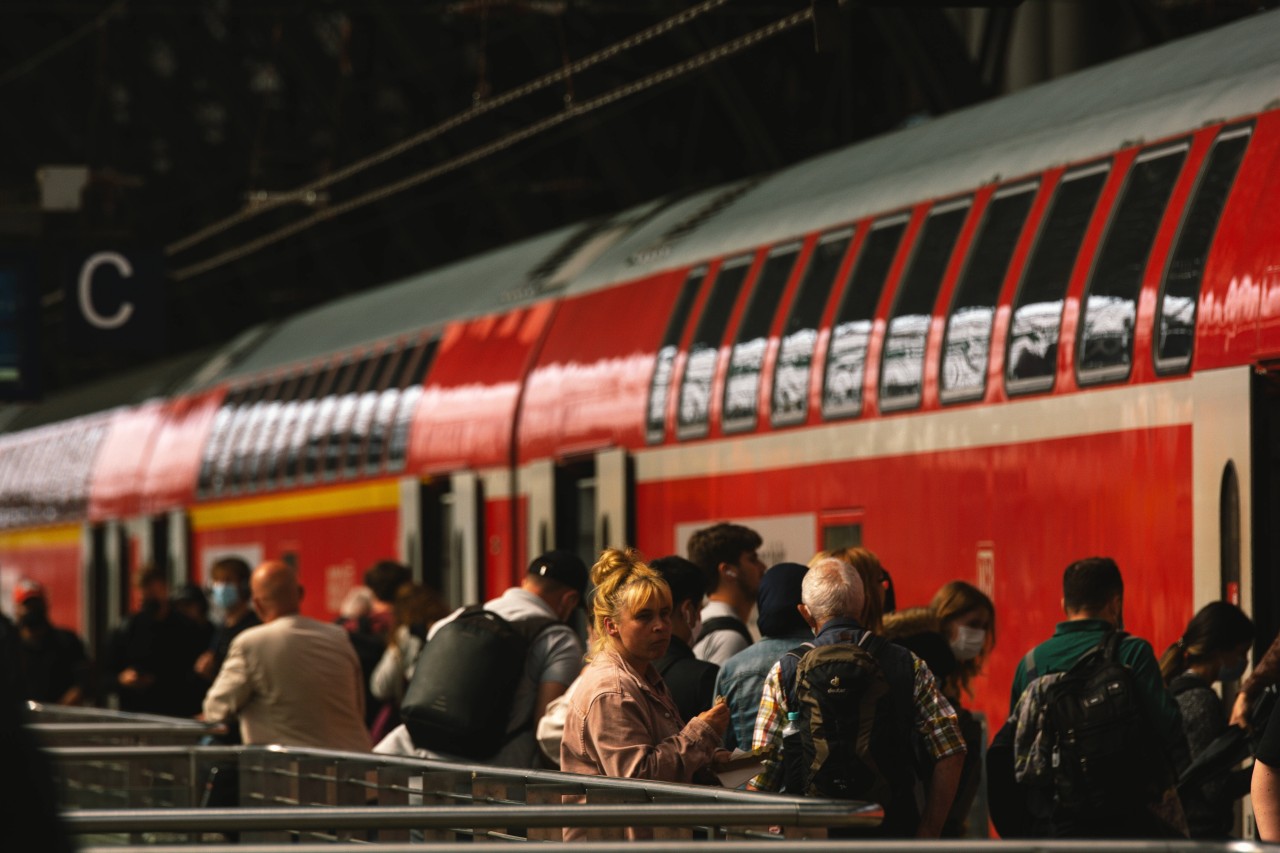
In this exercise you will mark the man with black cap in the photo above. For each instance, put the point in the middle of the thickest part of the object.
(782, 629)
(553, 587)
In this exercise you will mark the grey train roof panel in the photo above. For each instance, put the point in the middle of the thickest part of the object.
(483, 284)
(1231, 71)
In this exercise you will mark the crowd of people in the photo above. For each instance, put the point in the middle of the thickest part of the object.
(692, 664)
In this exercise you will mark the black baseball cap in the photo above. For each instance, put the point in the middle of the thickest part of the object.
(563, 567)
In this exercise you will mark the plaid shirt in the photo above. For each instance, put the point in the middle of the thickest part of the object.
(935, 719)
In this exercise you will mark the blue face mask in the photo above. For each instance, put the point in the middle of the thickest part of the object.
(225, 595)
(1233, 671)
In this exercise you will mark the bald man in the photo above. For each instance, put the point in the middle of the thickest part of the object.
(291, 680)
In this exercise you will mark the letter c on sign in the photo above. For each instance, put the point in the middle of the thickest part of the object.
(122, 265)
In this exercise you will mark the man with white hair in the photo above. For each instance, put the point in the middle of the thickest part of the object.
(860, 704)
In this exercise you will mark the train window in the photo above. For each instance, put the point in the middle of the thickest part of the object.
(1177, 311)
(344, 413)
(322, 422)
(851, 331)
(217, 435)
(800, 334)
(665, 362)
(242, 455)
(742, 386)
(224, 469)
(902, 367)
(1111, 302)
(704, 349)
(257, 464)
(408, 404)
(388, 401)
(367, 406)
(289, 414)
(307, 412)
(968, 339)
(1037, 312)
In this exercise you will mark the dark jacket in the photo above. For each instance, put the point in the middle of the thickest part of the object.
(692, 682)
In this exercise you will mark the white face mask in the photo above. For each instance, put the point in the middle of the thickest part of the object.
(968, 642)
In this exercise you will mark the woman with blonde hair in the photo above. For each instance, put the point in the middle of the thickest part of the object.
(622, 720)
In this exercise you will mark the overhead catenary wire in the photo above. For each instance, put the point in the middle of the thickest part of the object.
(479, 109)
(32, 63)
(476, 154)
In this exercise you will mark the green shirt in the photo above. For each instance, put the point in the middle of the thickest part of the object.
(1072, 639)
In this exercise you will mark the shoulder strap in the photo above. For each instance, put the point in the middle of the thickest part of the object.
(725, 623)
(788, 666)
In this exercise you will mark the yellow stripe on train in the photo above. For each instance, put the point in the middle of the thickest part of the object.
(311, 504)
(55, 536)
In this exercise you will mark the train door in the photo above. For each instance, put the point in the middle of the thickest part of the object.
(584, 504)
(1265, 574)
(443, 524)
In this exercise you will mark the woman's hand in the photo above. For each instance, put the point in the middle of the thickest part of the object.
(717, 716)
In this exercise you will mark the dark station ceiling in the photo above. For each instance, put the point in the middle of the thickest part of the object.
(280, 154)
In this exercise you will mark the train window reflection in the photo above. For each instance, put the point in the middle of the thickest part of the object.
(665, 361)
(704, 349)
(742, 386)
(344, 413)
(1037, 312)
(306, 414)
(410, 394)
(1177, 312)
(367, 408)
(968, 339)
(1111, 304)
(851, 331)
(800, 334)
(262, 456)
(217, 435)
(289, 416)
(902, 371)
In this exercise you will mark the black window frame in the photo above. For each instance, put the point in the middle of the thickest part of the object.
(1174, 366)
(1115, 373)
(842, 238)
(753, 311)
(1043, 383)
(1030, 188)
(901, 222)
(906, 402)
(668, 353)
(701, 428)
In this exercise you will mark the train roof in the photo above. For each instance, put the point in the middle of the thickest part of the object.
(1217, 75)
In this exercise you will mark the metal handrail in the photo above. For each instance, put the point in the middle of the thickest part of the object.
(735, 846)
(70, 714)
(814, 813)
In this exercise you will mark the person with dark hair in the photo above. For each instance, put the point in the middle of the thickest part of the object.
(229, 591)
(51, 662)
(692, 682)
(385, 578)
(782, 629)
(152, 655)
(1214, 647)
(728, 556)
(1093, 601)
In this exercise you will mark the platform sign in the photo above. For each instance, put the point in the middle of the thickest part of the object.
(19, 325)
(115, 301)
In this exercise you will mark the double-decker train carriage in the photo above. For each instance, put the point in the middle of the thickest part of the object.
(984, 346)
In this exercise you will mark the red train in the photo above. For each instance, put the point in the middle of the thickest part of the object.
(984, 346)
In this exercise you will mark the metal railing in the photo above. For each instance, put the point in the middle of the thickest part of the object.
(286, 794)
(56, 725)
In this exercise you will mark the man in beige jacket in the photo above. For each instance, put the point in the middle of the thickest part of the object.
(291, 680)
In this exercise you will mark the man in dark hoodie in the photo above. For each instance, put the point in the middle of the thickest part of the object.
(782, 629)
(691, 681)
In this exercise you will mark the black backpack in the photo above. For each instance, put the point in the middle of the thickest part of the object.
(724, 623)
(1104, 756)
(854, 702)
(464, 682)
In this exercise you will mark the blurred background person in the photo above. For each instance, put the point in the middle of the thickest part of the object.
(417, 608)
(1213, 648)
(229, 589)
(51, 662)
(782, 629)
(151, 656)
